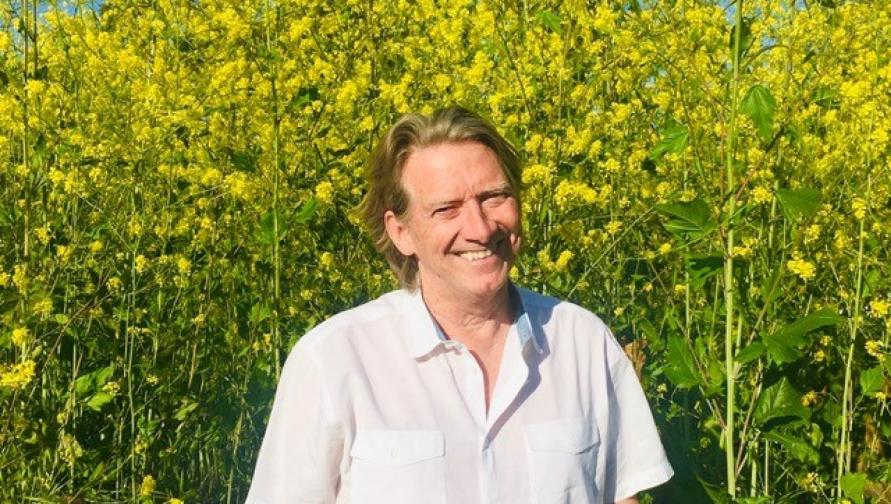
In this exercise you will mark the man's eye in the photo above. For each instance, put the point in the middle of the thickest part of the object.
(444, 211)
(496, 199)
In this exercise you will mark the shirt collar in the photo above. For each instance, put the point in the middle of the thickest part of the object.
(424, 334)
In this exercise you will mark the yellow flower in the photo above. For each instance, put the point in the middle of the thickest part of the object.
(812, 233)
(613, 227)
(174, 500)
(879, 307)
(809, 398)
(741, 251)
(562, 260)
(665, 248)
(148, 486)
(20, 276)
(18, 376)
(184, 265)
(325, 192)
(111, 388)
(43, 234)
(804, 269)
(114, 283)
(819, 356)
(811, 482)
(43, 306)
(96, 246)
(680, 289)
(874, 348)
(858, 205)
(63, 253)
(20, 336)
(762, 195)
(537, 173)
(618, 311)
(140, 263)
(326, 259)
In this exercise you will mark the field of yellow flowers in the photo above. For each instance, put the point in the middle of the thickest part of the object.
(176, 186)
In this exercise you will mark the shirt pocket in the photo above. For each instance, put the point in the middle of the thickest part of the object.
(562, 457)
(397, 466)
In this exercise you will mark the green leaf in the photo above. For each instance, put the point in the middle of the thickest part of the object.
(784, 344)
(674, 140)
(770, 286)
(750, 353)
(796, 447)
(811, 322)
(853, 485)
(304, 97)
(780, 400)
(244, 161)
(551, 21)
(184, 411)
(799, 202)
(267, 228)
(702, 266)
(306, 211)
(871, 380)
(825, 97)
(781, 350)
(259, 313)
(90, 382)
(680, 368)
(760, 106)
(649, 331)
(745, 39)
(98, 400)
(693, 218)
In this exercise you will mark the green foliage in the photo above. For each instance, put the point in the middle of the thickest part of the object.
(760, 106)
(177, 189)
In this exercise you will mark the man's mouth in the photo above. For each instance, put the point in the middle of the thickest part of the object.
(476, 255)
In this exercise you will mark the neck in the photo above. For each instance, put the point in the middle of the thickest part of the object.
(474, 322)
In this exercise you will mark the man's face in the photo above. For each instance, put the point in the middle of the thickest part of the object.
(462, 222)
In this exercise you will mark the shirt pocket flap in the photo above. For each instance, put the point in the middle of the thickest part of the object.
(397, 447)
(564, 435)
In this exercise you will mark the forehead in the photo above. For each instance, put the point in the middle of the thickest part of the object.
(451, 170)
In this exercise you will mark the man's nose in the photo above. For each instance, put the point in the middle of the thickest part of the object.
(478, 225)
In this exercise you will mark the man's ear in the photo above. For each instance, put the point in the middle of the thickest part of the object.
(398, 233)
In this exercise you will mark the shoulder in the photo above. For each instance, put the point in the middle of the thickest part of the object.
(548, 311)
(376, 318)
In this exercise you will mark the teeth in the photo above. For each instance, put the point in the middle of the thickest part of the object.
(476, 256)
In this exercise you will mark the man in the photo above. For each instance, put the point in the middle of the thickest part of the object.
(461, 387)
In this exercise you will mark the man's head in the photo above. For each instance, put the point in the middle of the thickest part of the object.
(431, 137)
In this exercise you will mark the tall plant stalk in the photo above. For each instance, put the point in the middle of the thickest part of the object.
(276, 280)
(729, 367)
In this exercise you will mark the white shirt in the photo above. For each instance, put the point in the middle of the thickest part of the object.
(376, 406)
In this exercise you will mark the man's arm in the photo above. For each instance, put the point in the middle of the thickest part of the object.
(299, 460)
(629, 500)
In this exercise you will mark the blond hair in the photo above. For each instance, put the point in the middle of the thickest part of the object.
(384, 172)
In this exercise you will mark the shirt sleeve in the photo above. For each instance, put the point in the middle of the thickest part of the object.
(303, 445)
(636, 459)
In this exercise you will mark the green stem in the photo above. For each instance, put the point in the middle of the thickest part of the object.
(276, 260)
(843, 455)
(729, 370)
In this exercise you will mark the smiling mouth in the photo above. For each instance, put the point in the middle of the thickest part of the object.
(476, 255)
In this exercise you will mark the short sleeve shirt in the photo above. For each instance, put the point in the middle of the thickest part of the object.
(375, 405)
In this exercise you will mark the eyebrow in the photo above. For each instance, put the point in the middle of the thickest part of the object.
(502, 189)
